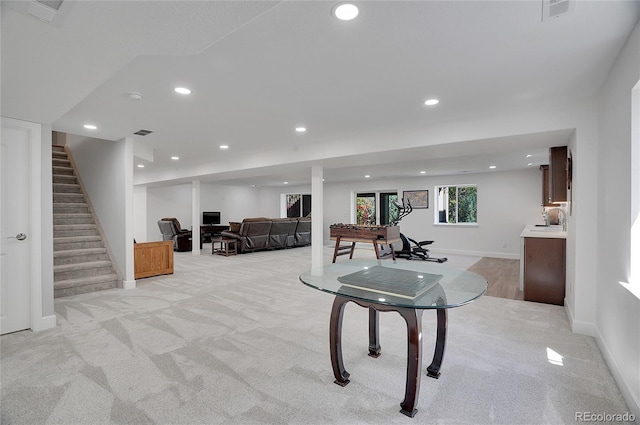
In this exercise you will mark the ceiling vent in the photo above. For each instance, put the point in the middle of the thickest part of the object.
(44, 10)
(556, 8)
(143, 132)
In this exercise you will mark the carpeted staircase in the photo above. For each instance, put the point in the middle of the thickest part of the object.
(81, 263)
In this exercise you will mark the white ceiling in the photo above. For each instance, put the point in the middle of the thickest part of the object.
(259, 69)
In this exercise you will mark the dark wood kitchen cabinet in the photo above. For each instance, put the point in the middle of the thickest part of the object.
(546, 199)
(544, 270)
(557, 174)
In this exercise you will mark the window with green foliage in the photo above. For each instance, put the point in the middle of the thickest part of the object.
(368, 211)
(457, 204)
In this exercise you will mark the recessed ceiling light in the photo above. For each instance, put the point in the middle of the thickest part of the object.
(224, 146)
(140, 166)
(182, 90)
(492, 166)
(529, 155)
(431, 102)
(367, 176)
(423, 172)
(134, 96)
(529, 164)
(301, 129)
(285, 182)
(90, 127)
(175, 158)
(345, 11)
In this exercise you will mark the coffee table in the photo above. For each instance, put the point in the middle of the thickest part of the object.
(227, 246)
(363, 282)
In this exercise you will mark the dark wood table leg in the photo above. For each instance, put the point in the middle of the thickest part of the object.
(374, 333)
(335, 250)
(413, 317)
(433, 370)
(335, 341)
(375, 248)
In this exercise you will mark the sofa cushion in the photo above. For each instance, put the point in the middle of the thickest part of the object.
(234, 226)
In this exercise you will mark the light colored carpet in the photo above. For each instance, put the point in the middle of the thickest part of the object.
(240, 340)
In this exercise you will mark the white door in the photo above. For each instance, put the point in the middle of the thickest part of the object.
(15, 287)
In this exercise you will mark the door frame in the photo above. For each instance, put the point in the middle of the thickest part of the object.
(35, 134)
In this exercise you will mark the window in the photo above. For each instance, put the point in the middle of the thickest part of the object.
(298, 205)
(367, 208)
(457, 204)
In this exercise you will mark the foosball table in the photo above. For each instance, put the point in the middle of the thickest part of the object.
(353, 233)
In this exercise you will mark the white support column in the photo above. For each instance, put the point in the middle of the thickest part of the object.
(317, 217)
(128, 273)
(195, 217)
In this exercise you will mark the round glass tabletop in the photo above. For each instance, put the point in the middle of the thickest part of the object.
(411, 284)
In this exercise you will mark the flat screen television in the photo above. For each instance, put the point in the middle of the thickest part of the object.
(211, 217)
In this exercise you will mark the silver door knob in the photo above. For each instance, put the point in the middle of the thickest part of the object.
(19, 236)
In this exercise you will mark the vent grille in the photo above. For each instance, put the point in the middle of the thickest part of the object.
(53, 4)
(143, 132)
(555, 8)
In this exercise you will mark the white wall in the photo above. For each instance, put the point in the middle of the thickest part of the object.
(103, 167)
(507, 201)
(233, 202)
(46, 217)
(140, 214)
(618, 311)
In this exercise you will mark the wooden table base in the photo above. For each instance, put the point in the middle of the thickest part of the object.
(413, 318)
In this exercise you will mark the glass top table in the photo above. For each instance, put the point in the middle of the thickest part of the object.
(406, 287)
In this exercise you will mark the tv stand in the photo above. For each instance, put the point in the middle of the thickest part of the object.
(208, 231)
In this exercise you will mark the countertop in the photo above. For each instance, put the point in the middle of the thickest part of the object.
(533, 231)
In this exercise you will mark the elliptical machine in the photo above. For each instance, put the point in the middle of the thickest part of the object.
(418, 250)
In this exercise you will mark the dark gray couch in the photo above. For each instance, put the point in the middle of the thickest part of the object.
(260, 233)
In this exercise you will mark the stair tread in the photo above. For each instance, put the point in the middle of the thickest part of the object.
(82, 266)
(84, 281)
(80, 226)
(74, 252)
(76, 238)
(84, 204)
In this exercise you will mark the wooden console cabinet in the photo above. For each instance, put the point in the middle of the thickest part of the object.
(152, 259)
(544, 270)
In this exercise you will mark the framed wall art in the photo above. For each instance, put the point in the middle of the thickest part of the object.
(417, 198)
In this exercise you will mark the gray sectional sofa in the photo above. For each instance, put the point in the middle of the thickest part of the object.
(260, 233)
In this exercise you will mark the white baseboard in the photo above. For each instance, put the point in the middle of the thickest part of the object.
(577, 326)
(128, 284)
(506, 255)
(589, 329)
(629, 397)
(44, 323)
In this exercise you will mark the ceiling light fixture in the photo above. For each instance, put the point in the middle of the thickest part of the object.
(175, 158)
(301, 129)
(140, 166)
(492, 166)
(182, 90)
(423, 172)
(367, 176)
(285, 182)
(529, 155)
(224, 146)
(90, 127)
(431, 102)
(529, 164)
(134, 96)
(345, 11)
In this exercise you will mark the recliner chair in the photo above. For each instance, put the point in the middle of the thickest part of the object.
(171, 231)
